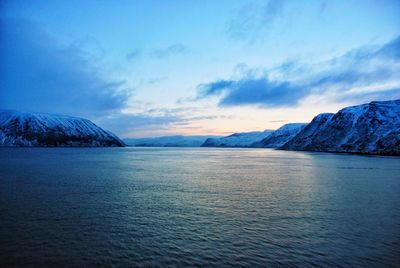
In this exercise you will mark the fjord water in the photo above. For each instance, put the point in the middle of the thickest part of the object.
(197, 207)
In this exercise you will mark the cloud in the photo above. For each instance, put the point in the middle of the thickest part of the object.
(134, 54)
(156, 80)
(174, 49)
(252, 19)
(362, 67)
(373, 72)
(215, 87)
(159, 53)
(391, 50)
(277, 121)
(253, 91)
(386, 94)
(39, 74)
(154, 120)
(127, 124)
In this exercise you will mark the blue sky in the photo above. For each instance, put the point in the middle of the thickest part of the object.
(151, 68)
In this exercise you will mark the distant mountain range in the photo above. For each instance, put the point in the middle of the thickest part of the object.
(36, 129)
(243, 139)
(169, 141)
(372, 128)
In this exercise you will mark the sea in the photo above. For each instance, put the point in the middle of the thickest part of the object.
(197, 207)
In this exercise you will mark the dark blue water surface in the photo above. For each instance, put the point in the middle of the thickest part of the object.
(197, 207)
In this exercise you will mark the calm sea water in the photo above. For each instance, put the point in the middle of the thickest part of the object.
(197, 207)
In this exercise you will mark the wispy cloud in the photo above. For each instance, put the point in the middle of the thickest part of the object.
(175, 49)
(127, 124)
(159, 53)
(134, 54)
(252, 19)
(156, 80)
(277, 121)
(39, 74)
(152, 120)
(367, 71)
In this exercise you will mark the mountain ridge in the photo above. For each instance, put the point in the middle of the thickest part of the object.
(280, 136)
(370, 128)
(23, 129)
(240, 139)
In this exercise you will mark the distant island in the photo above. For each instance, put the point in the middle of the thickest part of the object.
(372, 128)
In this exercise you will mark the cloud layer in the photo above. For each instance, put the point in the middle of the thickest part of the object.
(364, 72)
(39, 74)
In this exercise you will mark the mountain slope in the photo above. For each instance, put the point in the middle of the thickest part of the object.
(280, 136)
(36, 129)
(169, 141)
(372, 128)
(243, 139)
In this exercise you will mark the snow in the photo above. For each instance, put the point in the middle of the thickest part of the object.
(38, 129)
(372, 128)
(243, 139)
(280, 136)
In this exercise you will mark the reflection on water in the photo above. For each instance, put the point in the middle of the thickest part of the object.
(197, 207)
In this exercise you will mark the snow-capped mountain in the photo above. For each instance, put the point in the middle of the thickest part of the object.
(169, 141)
(243, 139)
(372, 128)
(280, 136)
(309, 132)
(37, 129)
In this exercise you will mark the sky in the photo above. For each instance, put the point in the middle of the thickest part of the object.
(154, 68)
